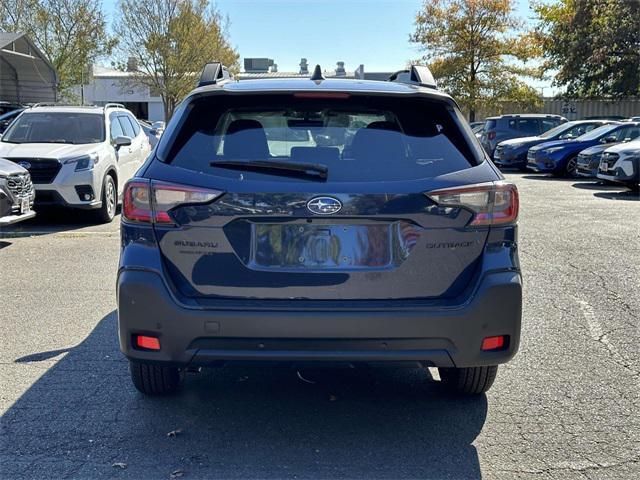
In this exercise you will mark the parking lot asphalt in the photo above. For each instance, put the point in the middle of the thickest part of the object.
(566, 407)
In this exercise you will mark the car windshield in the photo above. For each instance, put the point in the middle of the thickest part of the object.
(596, 133)
(373, 139)
(56, 127)
(559, 130)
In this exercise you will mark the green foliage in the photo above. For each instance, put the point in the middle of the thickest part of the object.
(593, 44)
(477, 51)
(70, 33)
(170, 41)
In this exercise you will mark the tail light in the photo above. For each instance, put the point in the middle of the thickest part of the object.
(150, 202)
(491, 135)
(494, 203)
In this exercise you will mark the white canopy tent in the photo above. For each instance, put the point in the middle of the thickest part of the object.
(26, 76)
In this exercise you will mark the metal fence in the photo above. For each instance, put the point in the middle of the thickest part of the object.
(573, 109)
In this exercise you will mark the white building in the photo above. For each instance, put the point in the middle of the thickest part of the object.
(110, 85)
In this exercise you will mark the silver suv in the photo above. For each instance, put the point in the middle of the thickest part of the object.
(78, 156)
(506, 127)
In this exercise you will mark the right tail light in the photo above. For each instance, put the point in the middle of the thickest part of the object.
(150, 202)
(494, 203)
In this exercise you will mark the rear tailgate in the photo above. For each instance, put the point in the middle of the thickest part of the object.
(270, 246)
(364, 229)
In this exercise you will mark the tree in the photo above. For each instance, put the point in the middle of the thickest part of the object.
(476, 49)
(594, 45)
(170, 41)
(70, 33)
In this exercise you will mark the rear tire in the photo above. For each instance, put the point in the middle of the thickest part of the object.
(155, 379)
(571, 168)
(107, 211)
(469, 381)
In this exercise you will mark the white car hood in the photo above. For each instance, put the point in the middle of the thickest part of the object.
(9, 168)
(628, 147)
(44, 150)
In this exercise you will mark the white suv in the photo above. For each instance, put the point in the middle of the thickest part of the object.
(78, 157)
(621, 164)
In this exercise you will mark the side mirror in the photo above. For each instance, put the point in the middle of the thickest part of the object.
(121, 141)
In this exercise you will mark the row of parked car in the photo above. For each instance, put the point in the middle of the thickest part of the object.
(78, 156)
(598, 148)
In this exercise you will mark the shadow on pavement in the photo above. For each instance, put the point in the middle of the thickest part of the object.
(553, 178)
(83, 415)
(56, 220)
(596, 185)
(624, 195)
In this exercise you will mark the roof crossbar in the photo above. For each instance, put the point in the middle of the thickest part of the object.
(212, 73)
(417, 74)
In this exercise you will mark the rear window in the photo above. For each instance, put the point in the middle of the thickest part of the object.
(360, 138)
(490, 125)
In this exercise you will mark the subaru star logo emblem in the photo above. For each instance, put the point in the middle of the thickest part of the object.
(324, 205)
(26, 165)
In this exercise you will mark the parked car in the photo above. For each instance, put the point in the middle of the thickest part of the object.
(6, 107)
(634, 119)
(78, 157)
(589, 159)
(505, 127)
(476, 126)
(396, 245)
(159, 126)
(560, 157)
(621, 164)
(16, 193)
(151, 132)
(7, 118)
(513, 153)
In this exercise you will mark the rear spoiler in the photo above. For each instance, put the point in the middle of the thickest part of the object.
(417, 75)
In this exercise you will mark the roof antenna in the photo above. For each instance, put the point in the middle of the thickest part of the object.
(317, 74)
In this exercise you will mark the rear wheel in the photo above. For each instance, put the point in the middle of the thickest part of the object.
(571, 169)
(471, 380)
(155, 379)
(107, 211)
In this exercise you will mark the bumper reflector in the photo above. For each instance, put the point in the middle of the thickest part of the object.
(493, 343)
(150, 343)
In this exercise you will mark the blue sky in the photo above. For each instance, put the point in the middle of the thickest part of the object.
(372, 32)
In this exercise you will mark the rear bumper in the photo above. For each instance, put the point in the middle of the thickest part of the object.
(429, 335)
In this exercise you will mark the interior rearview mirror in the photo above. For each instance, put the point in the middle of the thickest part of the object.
(122, 141)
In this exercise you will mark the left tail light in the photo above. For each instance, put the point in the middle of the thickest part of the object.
(150, 202)
(494, 203)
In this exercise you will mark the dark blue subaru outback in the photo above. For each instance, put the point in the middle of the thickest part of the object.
(319, 220)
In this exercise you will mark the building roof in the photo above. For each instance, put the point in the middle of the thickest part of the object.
(7, 37)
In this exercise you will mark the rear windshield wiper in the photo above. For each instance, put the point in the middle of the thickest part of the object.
(314, 171)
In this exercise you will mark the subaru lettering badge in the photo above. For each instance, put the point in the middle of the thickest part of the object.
(324, 205)
(25, 165)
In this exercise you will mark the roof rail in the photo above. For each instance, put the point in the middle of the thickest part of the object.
(57, 104)
(113, 105)
(212, 73)
(417, 74)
